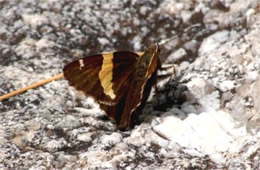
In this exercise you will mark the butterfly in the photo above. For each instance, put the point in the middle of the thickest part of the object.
(120, 81)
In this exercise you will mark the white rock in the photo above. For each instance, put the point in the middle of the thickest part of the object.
(210, 102)
(210, 133)
(213, 42)
(44, 43)
(200, 87)
(34, 19)
(177, 55)
(227, 85)
(111, 139)
(86, 137)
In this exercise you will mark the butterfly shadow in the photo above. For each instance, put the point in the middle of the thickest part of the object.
(163, 98)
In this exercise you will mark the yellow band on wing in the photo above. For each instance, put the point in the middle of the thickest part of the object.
(106, 75)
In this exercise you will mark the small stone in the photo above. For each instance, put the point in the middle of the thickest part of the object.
(112, 139)
(227, 85)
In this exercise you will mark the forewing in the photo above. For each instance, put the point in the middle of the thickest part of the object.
(104, 77)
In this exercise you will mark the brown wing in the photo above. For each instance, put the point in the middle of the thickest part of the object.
(138, 89)
(104, 77)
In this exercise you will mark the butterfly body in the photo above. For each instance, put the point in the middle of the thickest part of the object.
(120, 82)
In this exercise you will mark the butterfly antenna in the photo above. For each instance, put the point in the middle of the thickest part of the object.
(37, 84)
(165, 41)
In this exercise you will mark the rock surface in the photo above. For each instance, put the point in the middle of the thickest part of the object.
(207, 118)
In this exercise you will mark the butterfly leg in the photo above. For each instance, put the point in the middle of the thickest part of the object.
(164, 73)
(164, 69)
(173, 72)
(157, 91)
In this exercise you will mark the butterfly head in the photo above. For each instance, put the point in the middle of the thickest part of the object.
(148, 62)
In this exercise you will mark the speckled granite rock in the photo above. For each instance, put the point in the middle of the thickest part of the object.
(208, 118)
